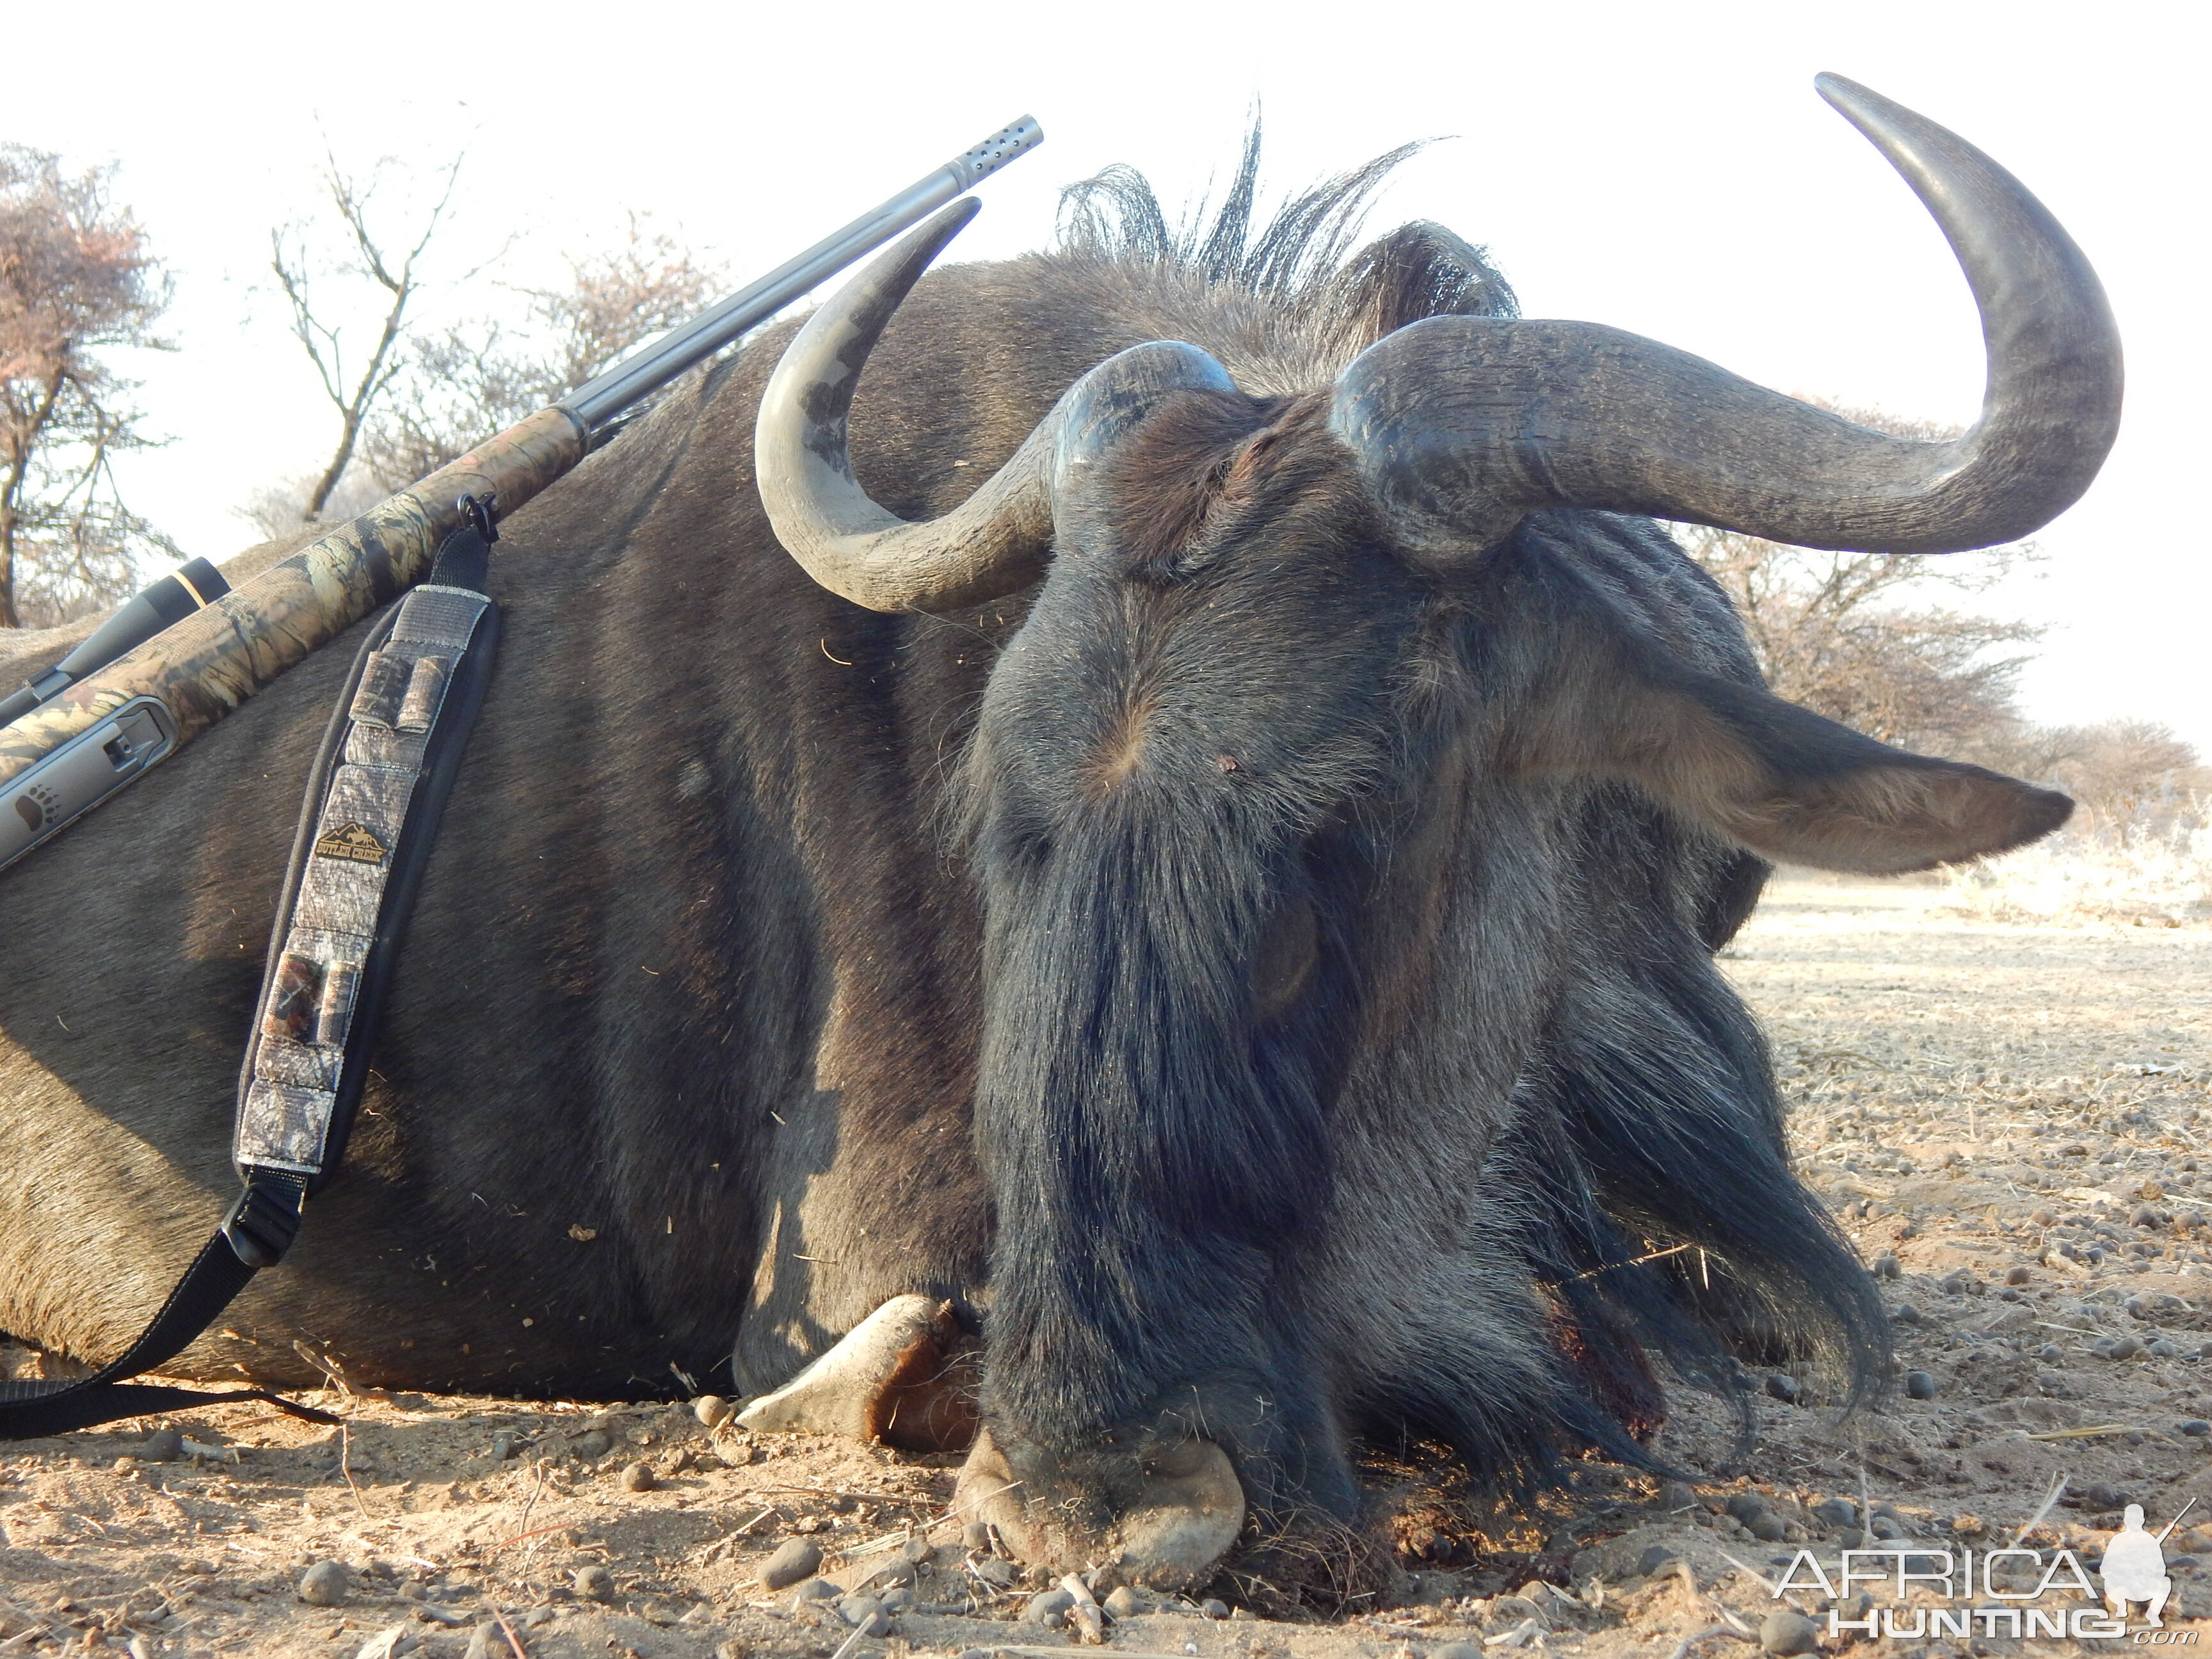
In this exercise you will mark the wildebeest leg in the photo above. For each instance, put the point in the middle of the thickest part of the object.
(903, 1375)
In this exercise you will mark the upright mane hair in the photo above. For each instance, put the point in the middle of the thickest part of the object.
(1299, 263)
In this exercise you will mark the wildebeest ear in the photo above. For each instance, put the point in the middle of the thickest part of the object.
(1417, 270)
(1796, 788)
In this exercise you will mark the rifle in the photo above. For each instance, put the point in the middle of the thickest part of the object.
(179, 656)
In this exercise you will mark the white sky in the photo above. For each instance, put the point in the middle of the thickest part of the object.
(1664, 168)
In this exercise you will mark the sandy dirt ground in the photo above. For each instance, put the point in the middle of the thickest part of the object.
(2012, 1122)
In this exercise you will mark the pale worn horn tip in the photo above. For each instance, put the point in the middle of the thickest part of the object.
(920, 247)
(950, 220)
(1861, 106)
(1845, 95)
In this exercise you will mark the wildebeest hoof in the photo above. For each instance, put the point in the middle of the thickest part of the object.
(892, 1377)
(1185, 1516)
(1193, 1511)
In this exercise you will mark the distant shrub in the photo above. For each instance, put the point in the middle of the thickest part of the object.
(2151, 869)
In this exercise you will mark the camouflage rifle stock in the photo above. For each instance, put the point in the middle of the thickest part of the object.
(88, 737)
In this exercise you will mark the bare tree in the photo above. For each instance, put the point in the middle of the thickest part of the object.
(482, 377)
(1842, 633)
(1854, 637)
(76, 279)
(1835, 632)
(2129, 770)
(276, 510)
(617, 299)
(353, 382)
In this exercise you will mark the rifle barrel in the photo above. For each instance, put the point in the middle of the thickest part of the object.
(200, 668)
(604, 396)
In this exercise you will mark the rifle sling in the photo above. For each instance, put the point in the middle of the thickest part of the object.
(388, 764)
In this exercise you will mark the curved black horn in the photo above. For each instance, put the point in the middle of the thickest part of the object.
(1461, 424)
(991, 545)
(1094, 415)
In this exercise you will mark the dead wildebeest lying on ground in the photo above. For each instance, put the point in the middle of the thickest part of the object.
(1230, 911)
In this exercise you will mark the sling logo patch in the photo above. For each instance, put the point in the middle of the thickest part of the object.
(350, 841)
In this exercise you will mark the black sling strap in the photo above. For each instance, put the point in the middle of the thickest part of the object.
(393, 748)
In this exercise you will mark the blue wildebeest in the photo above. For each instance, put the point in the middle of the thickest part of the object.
(1161, 887)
